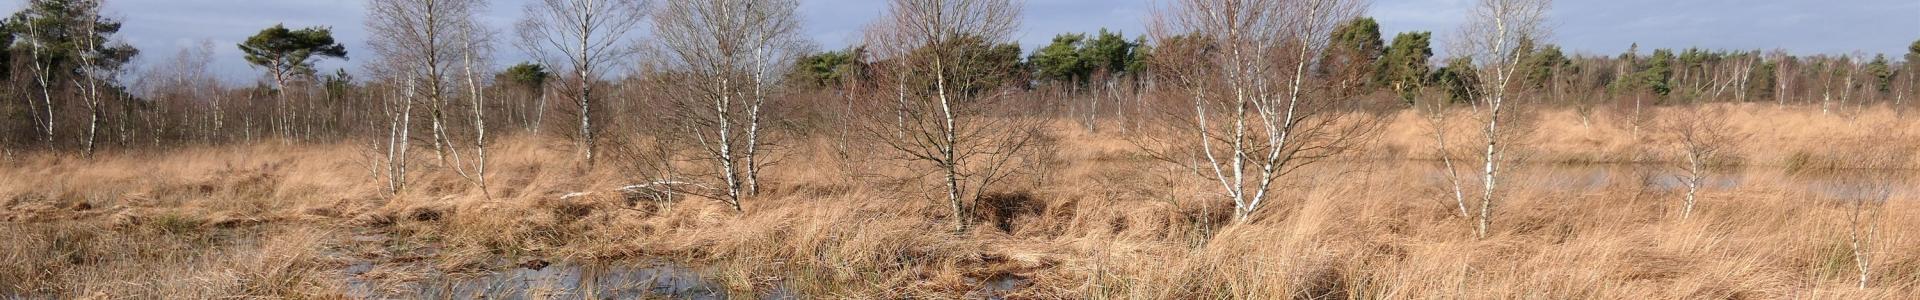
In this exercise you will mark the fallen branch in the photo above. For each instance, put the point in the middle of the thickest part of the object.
(658, 188)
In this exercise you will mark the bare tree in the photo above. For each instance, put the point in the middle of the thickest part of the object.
(1828, 72)
(1437, 120)
(1782, 74)
(91, 71)
(1492, 38)
(1863, 228)
(474, 53)
(1909, 70)
(941, 101)
(186, 81)
(724, 61)
(43, 77)
(1863, 194)
(592, 35)
(1735, 75)
(1855, 64)
(427, 40)
(1257, 112)
(1701, 135)
(398, 101)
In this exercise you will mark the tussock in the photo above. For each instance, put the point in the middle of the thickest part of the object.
(1102, 221)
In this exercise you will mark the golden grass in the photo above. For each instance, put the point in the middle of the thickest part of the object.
(1100, 221)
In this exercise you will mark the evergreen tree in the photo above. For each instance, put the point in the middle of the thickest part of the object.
(1657, 77)
(1404, 67)
(828, 69)
(1881, 72)
(1542, 66)
(1073, 59)
(287, 52)
(981, 67)
(1354, 53)
(1626, 72)
(54, 33)
(1142, 53)
(69, 43)
(1913, 53)
(1459, 79)
(528, 75)
(1111, 53)
(1765, 77)
(1061, 62)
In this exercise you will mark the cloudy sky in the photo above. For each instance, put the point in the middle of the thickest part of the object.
(163, 27)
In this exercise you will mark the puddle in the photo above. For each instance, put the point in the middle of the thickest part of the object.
(998, 287)
(552, 282)
(567, 281)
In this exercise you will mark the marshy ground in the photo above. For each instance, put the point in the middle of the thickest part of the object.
(1591, 215)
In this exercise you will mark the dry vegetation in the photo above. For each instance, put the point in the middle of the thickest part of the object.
(1102, 221)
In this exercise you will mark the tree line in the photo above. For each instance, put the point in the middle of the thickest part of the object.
(78, 89)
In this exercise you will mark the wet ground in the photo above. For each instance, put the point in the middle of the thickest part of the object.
(560, 281)
(569, 281)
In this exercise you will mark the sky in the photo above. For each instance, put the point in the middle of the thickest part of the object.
(161, 28)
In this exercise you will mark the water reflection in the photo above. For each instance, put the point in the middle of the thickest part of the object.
(1846, 184)
(591, 282)
(549, 282)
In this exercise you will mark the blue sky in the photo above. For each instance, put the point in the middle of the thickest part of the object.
(163, 27)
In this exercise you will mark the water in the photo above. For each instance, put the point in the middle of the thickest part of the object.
(590, 282)
(1873, 185)
(551, 282)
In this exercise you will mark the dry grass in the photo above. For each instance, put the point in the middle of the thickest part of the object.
(1097, 221)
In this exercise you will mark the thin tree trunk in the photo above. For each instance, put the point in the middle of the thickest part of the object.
(478, 97)
(753, 122)
(729, 172)
(585, 64)
(950, 162)
(1446, 161)
(1696, 174)
(42, 75)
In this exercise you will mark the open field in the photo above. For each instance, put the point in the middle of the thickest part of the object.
(1096, 220)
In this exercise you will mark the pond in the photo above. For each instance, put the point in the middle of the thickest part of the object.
(1846, 184)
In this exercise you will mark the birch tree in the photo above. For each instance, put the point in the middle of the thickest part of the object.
(1784, 67)
(475, 47)
(429, 41)
(1492, 38)
(45, 50)
(725, 61)
(1863, 228)
(1910, 70)
(532, 79)
(71, 45)
(397, 101)
(187, 82)
(938, 90)
(592, 35)
(1701, 136)
(1258, 113)
(92, 69)
(1437, 118)
(1863, 197)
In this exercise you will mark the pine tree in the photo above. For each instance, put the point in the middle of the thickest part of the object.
(1404, 67)
(1353, 55)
